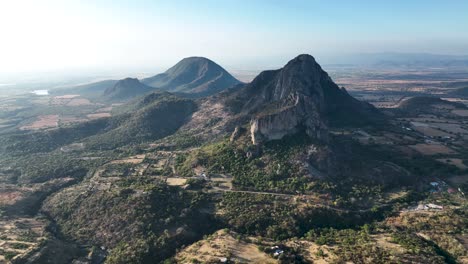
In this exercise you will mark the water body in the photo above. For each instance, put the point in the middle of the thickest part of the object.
(41, 92)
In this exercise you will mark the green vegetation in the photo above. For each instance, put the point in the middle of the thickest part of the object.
(140, 219)
(9, 255)
(280, 218)
(139, 214)
(273, 170)
(151, 118)
(352, 245)
(19, 245)
(359, 246)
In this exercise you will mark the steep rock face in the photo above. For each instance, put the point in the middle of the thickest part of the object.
(299, 96)
(301, 114)
(194, 75)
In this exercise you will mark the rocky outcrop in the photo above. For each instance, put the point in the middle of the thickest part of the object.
(289, 120)
(300, 96)
(237, 133)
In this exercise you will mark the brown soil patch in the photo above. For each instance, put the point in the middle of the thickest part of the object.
(98, 115)
(67, 96)
(9, 197)
(432, 149)
(71, 119)
(79, 102)
(176, 181)
(134, 160)
(42, 122)
(311, 250)
(456, 162)
(222, 244)
(24, 232)
(383, 241)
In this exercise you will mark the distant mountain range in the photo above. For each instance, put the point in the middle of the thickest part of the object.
(402, 60)
(192, 77)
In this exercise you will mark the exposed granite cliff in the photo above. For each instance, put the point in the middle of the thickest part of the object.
(300, 96)
(289, 119)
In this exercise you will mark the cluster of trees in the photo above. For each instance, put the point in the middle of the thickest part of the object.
(41, 168)
(441, 227)
(138, 212)
(351, 245)
(274, 170)
(279, 218)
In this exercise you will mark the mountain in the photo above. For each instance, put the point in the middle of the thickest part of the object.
(427, 104)
(307, 169)
(126, 89)
(461, 92)
(90, 90)
(298, 96)
(194, 75)
(295, 108)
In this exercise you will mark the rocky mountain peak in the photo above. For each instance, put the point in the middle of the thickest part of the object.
(299, 96)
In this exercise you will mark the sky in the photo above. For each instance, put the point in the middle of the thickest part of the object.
(120, 35)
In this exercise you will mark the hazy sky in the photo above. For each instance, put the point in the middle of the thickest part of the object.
(51, 35)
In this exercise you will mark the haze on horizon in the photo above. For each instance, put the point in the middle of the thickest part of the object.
(55, 35)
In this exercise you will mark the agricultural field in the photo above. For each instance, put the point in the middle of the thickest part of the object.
(48, 111)
(432, 149)
(20, 237)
